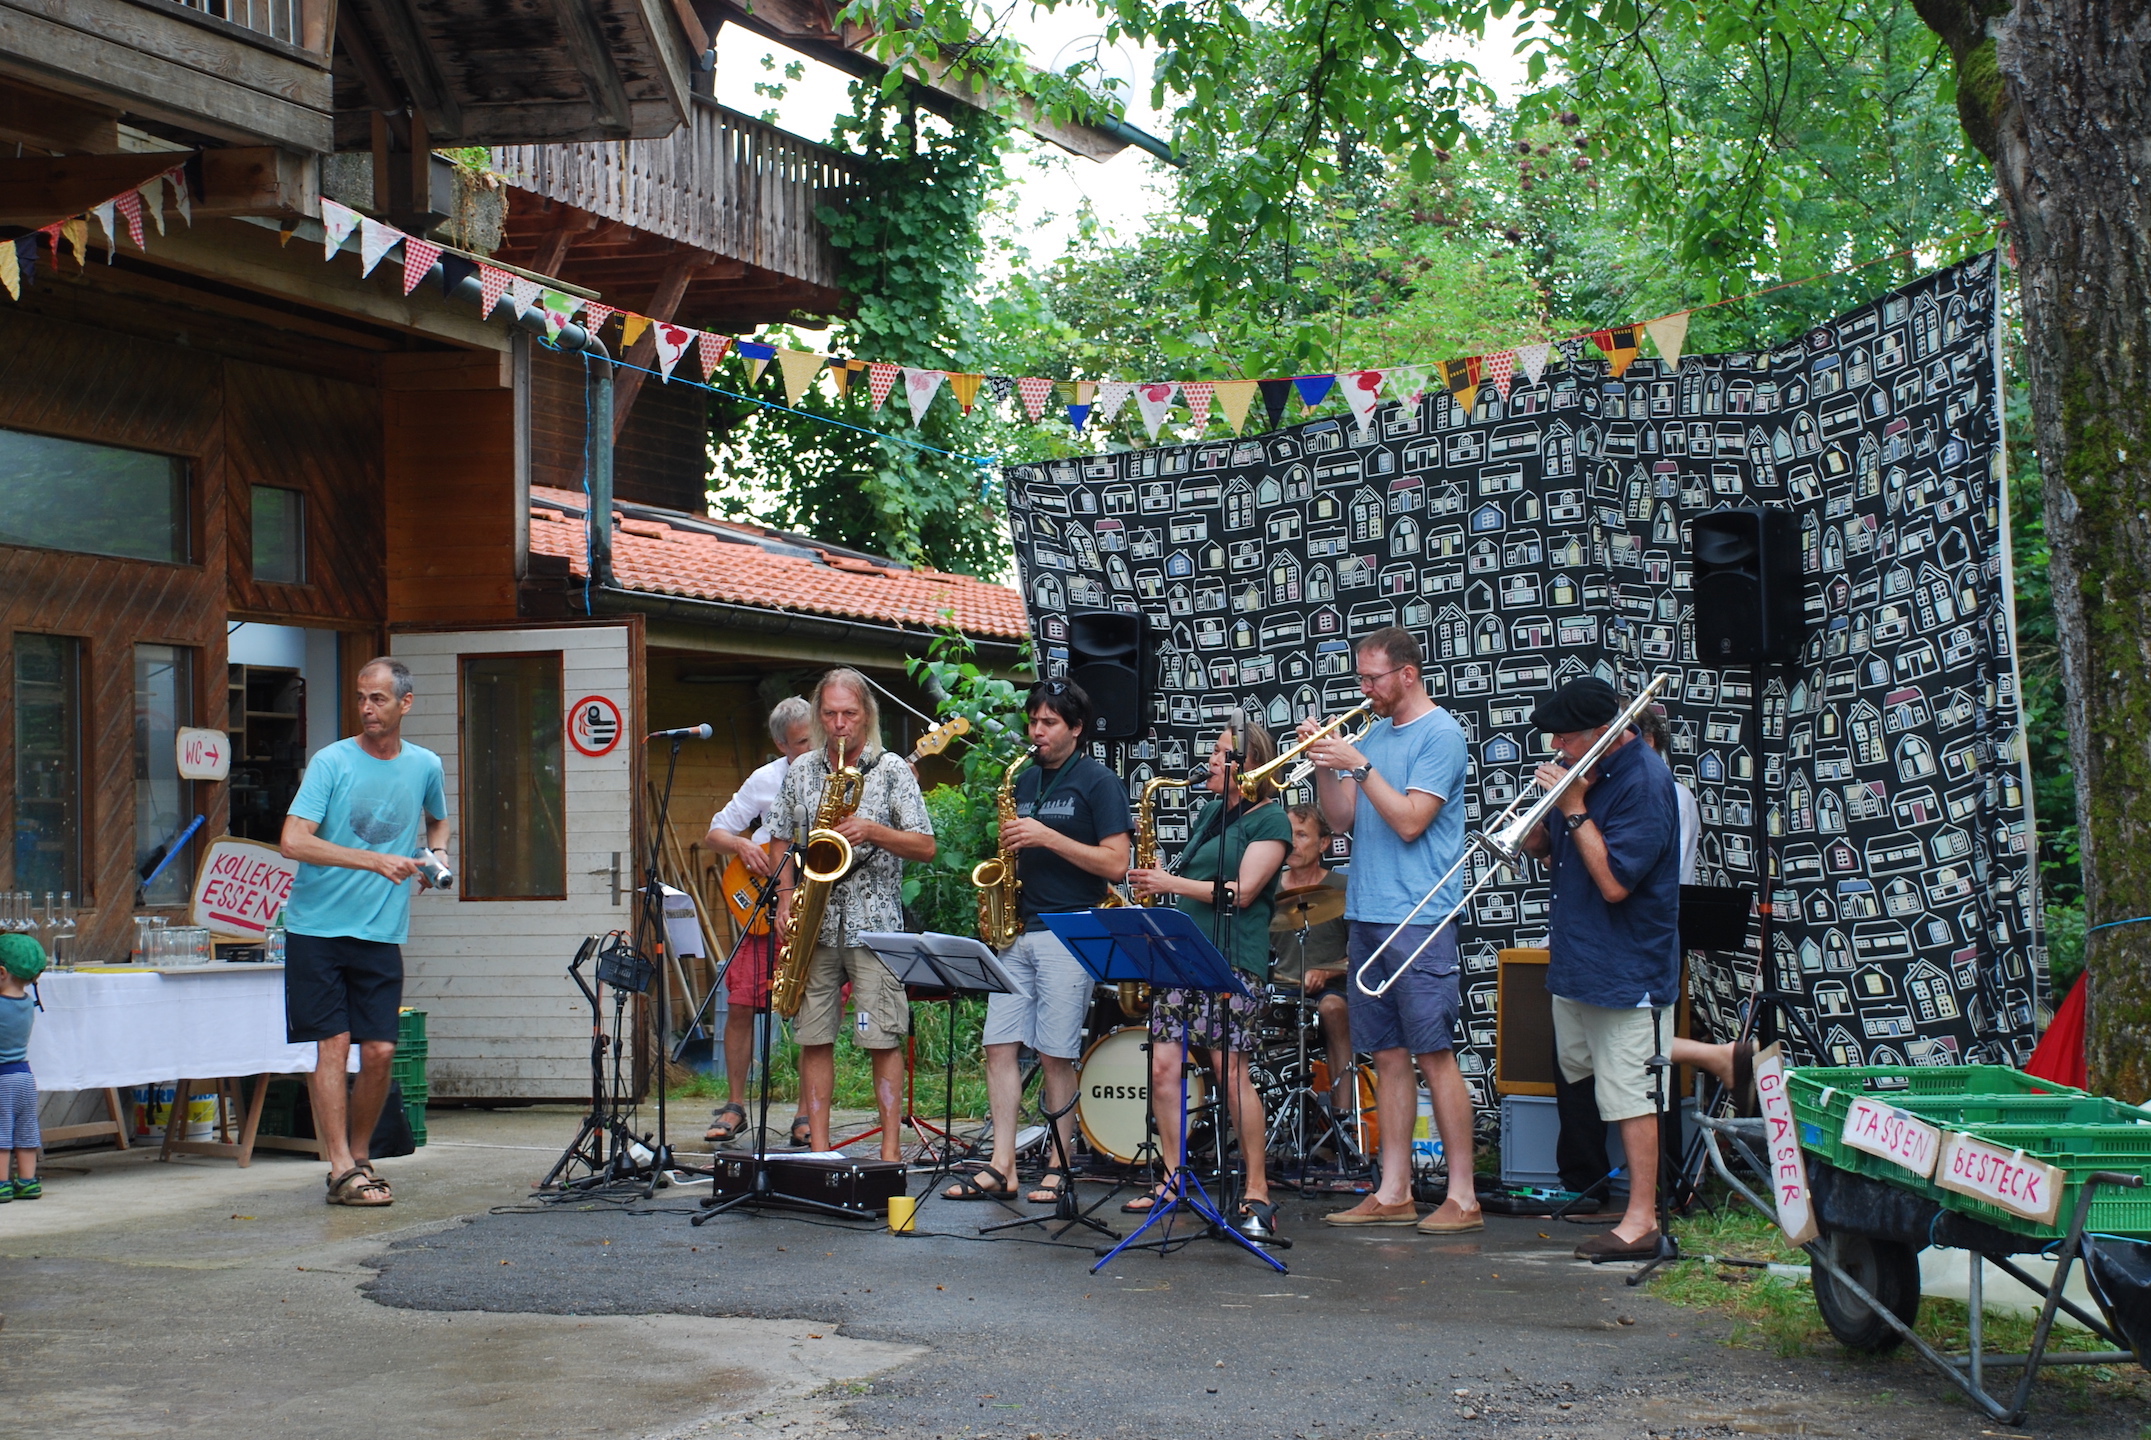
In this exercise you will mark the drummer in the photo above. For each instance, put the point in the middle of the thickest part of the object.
(1308, 937)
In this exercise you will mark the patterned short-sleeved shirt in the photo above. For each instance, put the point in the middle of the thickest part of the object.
(871, 898)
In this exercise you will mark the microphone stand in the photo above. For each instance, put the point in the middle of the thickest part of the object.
(652, 925)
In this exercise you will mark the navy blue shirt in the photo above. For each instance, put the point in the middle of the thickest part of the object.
(1085, 802)
(1620, 956)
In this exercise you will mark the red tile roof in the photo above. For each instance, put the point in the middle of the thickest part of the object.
(661, 558)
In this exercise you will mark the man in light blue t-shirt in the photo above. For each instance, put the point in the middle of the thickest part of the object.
(1392, 790)
(354, 827)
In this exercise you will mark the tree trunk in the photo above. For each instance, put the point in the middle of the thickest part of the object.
(2058, 94)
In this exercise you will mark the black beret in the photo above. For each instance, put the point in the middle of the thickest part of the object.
(1582, 704)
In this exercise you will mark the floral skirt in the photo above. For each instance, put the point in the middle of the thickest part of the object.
(1209, 1020)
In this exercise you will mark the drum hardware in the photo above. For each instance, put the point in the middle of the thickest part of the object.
(1306, 907)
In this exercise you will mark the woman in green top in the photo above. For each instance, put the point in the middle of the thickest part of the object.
(1246, 843)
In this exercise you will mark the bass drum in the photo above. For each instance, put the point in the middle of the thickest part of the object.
(1113, 1093)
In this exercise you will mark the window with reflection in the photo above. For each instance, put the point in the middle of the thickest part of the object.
(513, 826)
(96, 499)
(163, 802)
(48, 764)
(279, 535)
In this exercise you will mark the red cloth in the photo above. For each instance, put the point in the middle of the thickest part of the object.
(2060, 1056)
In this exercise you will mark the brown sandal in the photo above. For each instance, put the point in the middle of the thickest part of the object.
(356, 1187)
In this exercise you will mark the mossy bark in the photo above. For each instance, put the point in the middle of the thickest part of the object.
(2058, 95)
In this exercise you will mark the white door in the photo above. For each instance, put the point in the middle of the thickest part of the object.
(538, 730)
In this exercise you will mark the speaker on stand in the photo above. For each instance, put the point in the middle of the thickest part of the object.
(1110, 656)
(1750, 609)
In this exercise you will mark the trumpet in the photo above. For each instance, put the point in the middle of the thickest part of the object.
(1504, 840)
(1251, 780)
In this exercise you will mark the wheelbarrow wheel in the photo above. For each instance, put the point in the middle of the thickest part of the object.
(1887, 1270)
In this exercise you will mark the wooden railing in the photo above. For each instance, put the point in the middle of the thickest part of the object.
(304, 23)
(725, 183)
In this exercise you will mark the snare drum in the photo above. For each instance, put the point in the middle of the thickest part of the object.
(1113, 1093)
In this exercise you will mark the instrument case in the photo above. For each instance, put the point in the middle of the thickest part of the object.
(861, 1187)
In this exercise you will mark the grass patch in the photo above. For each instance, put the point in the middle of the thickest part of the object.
(1778, 1313)
(854, 1069)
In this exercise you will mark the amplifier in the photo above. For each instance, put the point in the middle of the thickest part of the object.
(857, 1187)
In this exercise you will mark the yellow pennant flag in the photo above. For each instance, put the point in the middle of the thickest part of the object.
(800, 368)
(631, 328)
(10, 270)
(76, 231)
(1233, 398)
(1669, 333)
(964, 388)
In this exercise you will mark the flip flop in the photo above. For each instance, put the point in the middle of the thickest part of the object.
(968, 1188)
(1144, 1204)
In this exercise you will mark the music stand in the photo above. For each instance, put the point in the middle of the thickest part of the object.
(1166, 950)
(956, 965)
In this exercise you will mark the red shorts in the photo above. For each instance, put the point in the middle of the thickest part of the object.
(747, 982)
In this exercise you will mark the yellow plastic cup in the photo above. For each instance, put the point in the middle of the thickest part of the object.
(903, 1214)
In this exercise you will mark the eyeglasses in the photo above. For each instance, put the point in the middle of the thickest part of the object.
(1364, 677)
(1050, 687)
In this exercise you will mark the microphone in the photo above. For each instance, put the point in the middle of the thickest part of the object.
(685, 732)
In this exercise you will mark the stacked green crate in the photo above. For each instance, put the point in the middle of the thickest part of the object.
(409, 1069)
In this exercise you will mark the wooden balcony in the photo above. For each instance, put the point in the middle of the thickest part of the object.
(729, 194)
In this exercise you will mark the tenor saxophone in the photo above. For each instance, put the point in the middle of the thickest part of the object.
(999, 889)
(824, 860)
(1135, 994)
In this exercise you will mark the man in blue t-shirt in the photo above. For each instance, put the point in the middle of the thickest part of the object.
(354, 828)
(1612, 850)
(1392, 790)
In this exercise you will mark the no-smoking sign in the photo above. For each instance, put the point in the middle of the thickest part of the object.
(594, 725)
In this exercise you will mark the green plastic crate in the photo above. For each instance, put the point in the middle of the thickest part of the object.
(1888, 1081)
(409, 1069)
(411, 1027)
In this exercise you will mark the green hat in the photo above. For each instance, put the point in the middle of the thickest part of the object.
(22, 956)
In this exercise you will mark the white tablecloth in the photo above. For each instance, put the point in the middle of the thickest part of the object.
(103, 1030)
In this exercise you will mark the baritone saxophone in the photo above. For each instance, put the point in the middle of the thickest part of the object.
(824, 860)
(999, 889)
(1135, 994)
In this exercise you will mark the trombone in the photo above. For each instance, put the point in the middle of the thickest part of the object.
(1251, 780)
(1503, 841)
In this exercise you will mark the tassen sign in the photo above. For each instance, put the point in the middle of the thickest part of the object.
(1886, 1131)
(241, 886)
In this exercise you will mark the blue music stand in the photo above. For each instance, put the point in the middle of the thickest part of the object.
(1164, 949)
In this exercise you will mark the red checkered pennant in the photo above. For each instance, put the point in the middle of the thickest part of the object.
(418, 258)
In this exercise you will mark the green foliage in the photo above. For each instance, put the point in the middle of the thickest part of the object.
(854, 1070)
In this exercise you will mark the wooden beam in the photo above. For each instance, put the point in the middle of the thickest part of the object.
(51, 121)
(258, 180)
(37, 190)
(552, 251)
(593, 60)
(664, 304)
(404, 33)
(373, 72)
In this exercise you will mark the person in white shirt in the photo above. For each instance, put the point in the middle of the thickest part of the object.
(739, 829)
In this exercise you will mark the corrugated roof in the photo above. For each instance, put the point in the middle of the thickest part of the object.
(664, 552)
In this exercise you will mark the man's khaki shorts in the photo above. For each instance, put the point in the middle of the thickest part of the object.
(881, 1016)
(1616, 1047)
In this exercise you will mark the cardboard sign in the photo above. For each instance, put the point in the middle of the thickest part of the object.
(240, 887)
(204, 754)
(594, 725)
(1899, 1138)
(1788, 1170)
(2009, 1179)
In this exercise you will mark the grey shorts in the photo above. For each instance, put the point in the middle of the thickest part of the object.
(881, 1012)
(1051, 999)
(18, 1115)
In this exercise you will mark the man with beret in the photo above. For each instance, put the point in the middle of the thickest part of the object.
(1613, 850)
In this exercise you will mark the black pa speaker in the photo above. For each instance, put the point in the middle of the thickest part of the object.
(1747, 587)
(1109, 655)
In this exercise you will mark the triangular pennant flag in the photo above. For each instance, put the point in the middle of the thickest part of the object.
(10, 272)
(522, 294)
(182, 197)
(1077, 414)
(76, 229)
(595, 316)
(964, 387)
(492, 284)
(1313, 388)
(1407, 384)
(129, 205)
(709, 350)
(841, 372)
(1001, 387)
(1362, 392)
(756, 357)
(1034, 392)
(337, 223)
(1274, 395)
(284, 231)
(1500, 369)
(919, 388)
(1233, 398)
(104, 217)
(26, 258)
(1669, 333)
(1155, 400)
(454, 271)
(557, 310)
(1112, 394)
(672, 343)
(377, 238)
(418, 258)
(1462, 378)
(799, 367)
(151, 193)
(1531, 359)
(880, 380)
(1620, 348)
(631, 328)
(1195, 394)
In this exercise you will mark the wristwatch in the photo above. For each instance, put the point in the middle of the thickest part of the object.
(1360, 774)
(1578, 820)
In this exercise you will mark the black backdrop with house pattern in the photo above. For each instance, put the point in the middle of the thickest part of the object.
(1530, 540)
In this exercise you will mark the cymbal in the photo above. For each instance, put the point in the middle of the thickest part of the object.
(1308, 905)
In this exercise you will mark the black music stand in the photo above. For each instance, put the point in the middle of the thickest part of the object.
(955, 966)
(1166, 950)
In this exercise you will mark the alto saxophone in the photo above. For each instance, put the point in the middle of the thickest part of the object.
(1135, 994)
(825, 859)
(999, 889)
